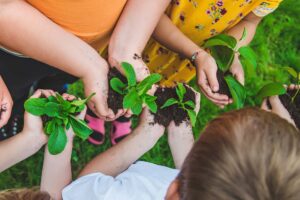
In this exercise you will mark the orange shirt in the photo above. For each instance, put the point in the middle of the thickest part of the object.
(90, 20)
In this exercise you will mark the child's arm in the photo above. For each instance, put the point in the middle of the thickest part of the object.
(26, 30)
(171, 37)
(26, 143)
(57, 170)
(118, 158)
(132, 32)
(181, 138)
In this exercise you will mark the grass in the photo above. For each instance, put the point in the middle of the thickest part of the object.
(276, 44)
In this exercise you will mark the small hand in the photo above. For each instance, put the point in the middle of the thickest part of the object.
(33, 125)
(277, 107)
(97, 82)
(207, 78)
(6, 104)
(237, 70)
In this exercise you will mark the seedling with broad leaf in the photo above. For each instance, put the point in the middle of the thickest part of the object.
(187, 106)
(135, 94)
(58, 116)
(223, 48)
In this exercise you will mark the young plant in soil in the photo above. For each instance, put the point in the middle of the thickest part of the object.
(173, 112)
(289, 98)
(135, 94)
(223, 48)
(187, 106)
(59, 115)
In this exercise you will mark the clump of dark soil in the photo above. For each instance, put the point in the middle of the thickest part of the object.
(293, 107)
(115, 100)
(166, 115)
(223, 87)
(2, 110)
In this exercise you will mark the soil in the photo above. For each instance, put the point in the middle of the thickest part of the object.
(166, 115)
(115, 100)
(2, 110)
(292, 107)
(223, 87)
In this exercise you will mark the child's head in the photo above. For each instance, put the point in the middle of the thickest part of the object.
(248, 154)
(24, 194)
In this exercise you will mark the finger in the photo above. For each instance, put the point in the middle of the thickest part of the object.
(82, 113)
(292, 87)
(37, 94)
(275, 102)
(68, 97)
(212, 79)
(264, 105)
(212, 97)
(240, 77)
(101, 108)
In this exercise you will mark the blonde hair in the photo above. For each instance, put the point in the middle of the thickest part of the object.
(248, 154)
(24, 194)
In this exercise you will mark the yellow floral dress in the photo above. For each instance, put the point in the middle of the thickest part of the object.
(199, 20)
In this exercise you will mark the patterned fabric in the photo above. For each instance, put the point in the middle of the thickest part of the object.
(199, 20)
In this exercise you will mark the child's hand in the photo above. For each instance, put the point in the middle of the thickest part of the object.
(237, 69)
(6, 104)
(207, 78)
(97, 81)
(148, 124)
(33, 125)
(70, 132)
(277, 107)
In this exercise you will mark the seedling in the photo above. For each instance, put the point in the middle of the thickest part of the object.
(135, 94)
(223, 48)
(187, 106)
(295, 74)
(60, 115)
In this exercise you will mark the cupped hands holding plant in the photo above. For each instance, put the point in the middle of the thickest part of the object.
(6, 103)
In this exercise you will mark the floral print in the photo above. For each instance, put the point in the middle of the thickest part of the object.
(199, 20)
(216, 11)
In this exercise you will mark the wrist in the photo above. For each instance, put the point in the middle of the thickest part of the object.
(34, 140)
(101, 68)
(198, 55)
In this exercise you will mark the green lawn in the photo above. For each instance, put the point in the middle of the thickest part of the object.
(276, 45)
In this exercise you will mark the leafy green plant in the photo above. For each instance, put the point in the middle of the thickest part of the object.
(295, 74)
(135, 94)
(59, 115)
(269, 90)
(187, 106)
(223, 48)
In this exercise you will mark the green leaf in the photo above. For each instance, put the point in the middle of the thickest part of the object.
(191, 104)
(66, 105)
(223, 56)
(147, 83)
(237, 91)
(192, 116)
(270, 89)
(59, 98)
(247, 55)
(291, 71)
(36, 106)
(49, 127)
(151, 105)
(53, 99)
(83, 101)
(169, 102)
(129, 73)
(180, 91)
(80, 127)
(57, 140)
(245, 33)
(137, 107)
(52, 109)
(117, 85)
(221, 40)
(130, 99)
(247, 66)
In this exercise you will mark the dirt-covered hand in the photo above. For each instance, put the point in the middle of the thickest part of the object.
(277, 108)
(96, 81)
(206, 68)
(237, 70)
(6, 103)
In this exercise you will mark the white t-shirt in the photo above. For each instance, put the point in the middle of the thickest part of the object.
(141, 181)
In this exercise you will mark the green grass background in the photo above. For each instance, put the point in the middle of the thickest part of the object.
(276, 44)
